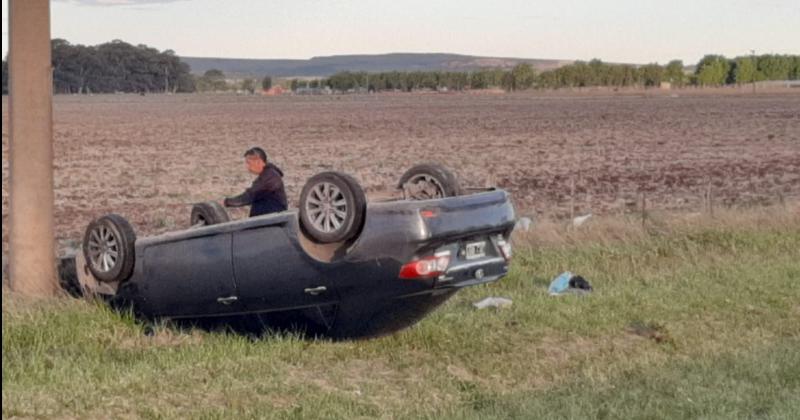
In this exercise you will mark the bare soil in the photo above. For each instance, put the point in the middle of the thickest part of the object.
(149, 158)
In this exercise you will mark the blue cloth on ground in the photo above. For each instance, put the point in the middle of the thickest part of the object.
(560, 284)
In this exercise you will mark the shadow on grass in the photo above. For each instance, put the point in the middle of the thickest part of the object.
(310, 324)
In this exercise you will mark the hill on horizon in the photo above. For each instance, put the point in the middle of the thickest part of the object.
(328, 65)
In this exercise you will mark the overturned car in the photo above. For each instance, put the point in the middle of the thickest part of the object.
(337, 266)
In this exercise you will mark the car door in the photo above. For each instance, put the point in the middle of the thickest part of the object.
(273, 273)
(191, 276)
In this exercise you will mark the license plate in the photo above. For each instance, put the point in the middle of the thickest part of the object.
(475, 250)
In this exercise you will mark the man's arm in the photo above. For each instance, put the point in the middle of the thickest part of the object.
(243, 199)
(270, 181)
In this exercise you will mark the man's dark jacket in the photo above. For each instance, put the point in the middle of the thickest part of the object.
(266, 195)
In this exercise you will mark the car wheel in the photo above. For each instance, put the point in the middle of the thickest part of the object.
(363, 205)
(208, 213)
(332, 207)
(428, 181)
(108, 247)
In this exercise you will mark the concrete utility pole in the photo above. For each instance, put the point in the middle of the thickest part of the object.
(31, 239)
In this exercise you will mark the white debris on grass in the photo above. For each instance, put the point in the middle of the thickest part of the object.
(581, 220)
(524, 224)
(493, 302)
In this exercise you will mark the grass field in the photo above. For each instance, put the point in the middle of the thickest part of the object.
(690, 318)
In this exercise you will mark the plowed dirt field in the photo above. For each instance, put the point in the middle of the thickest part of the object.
(149, 158)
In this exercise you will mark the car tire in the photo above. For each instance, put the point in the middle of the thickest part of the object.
(208, 213)
(428, 181)
(108, 247)
(332, 207)
(363, 205)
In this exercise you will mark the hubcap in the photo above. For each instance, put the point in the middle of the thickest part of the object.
(103, 249)
(326, 207)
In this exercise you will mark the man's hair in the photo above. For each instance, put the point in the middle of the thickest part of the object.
(257, 151)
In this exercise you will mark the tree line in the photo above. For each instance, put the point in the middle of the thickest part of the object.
(121, 67)
(114, 66)
(711, 70)
(520, 77)
(214, 80)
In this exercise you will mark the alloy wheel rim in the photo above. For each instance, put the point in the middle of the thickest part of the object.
(326, 207)
(103, 249)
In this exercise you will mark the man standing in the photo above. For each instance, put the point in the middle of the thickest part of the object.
(267, 194)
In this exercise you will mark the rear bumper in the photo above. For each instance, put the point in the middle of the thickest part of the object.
(480, 272)
(398, 229)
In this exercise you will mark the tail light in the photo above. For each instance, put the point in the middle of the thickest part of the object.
(429, 213)
(505, 248)
(426, 267)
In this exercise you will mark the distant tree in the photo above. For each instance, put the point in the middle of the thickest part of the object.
(428, 80)
(508, 82)
(673, 73)
(184, 81)
(712, 70)
(622, 75)
(495, 77)
(344, 81)
(266, 83)
(214, 74)
(477, 80)
(582, 75)
(548, 80)
(522, 77)
(249, 85)
(630, 75)
(80, 69)
(651, 75)
(453, 80)
(212, 80)
(601, 72)
(775, 67)
(744, 70)
(795, 74)
(293, 85)
(117, 66)
(314, 83)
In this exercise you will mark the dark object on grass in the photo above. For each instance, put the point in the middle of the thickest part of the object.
(567, 282)
(578, 282)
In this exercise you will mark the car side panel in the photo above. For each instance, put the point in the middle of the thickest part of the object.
(187, 277)
(273, 273)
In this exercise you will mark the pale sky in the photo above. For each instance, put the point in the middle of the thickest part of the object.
(633, 31)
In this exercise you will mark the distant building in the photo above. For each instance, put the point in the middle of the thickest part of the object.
(273, 91)
(313, 91)
(778, 83)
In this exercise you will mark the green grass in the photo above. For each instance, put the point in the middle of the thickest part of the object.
(700, 323)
